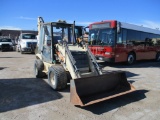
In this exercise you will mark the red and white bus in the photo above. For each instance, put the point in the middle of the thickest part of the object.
(115, 41)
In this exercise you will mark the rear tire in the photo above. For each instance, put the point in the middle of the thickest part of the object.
(38, 68)
(158, 57)
(57, 77)
(131, 59)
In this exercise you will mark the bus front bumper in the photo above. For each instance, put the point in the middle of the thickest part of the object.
(105, 59)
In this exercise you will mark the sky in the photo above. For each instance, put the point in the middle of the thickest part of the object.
(23, 14)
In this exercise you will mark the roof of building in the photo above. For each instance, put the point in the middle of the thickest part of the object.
(13, 34)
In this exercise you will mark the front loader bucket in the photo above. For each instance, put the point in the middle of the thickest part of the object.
(90, 90)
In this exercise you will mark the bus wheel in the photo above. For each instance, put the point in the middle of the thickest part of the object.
(130, 59)
(158, 57)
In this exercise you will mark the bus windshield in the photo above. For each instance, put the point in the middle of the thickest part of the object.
(102, 37)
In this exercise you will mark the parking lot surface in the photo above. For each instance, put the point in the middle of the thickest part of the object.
(24, 97)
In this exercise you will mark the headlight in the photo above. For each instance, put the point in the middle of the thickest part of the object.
(107, 53)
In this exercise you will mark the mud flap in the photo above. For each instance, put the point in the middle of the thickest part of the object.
(90, 90)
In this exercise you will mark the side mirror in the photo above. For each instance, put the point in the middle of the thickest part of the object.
(118, 27)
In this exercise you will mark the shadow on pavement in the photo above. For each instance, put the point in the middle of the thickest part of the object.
(138, 64)
(1, 68)
(23, 92)
(114, 103)
(10, 57)
(128, 74)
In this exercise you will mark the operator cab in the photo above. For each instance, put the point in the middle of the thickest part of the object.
(56, 32)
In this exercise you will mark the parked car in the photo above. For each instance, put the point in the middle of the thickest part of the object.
(6, 44)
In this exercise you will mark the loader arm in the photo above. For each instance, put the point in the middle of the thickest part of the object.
(94, 60)
(72, 60)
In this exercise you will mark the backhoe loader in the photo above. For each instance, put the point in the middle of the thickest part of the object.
(63, 59)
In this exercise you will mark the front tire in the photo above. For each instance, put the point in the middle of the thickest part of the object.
(57, 77)
(131, 59)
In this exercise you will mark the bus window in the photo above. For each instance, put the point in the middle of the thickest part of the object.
(130, 36)
(124, 36)
(133, 37)
(144, 36)
(156, 40)
(148, 38)
(119, 37)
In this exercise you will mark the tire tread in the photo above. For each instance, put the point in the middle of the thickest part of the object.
(61, 77)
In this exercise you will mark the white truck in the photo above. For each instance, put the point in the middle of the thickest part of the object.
(27, 43)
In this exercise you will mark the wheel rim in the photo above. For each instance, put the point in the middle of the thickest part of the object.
(130, 59)
(52, 78)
